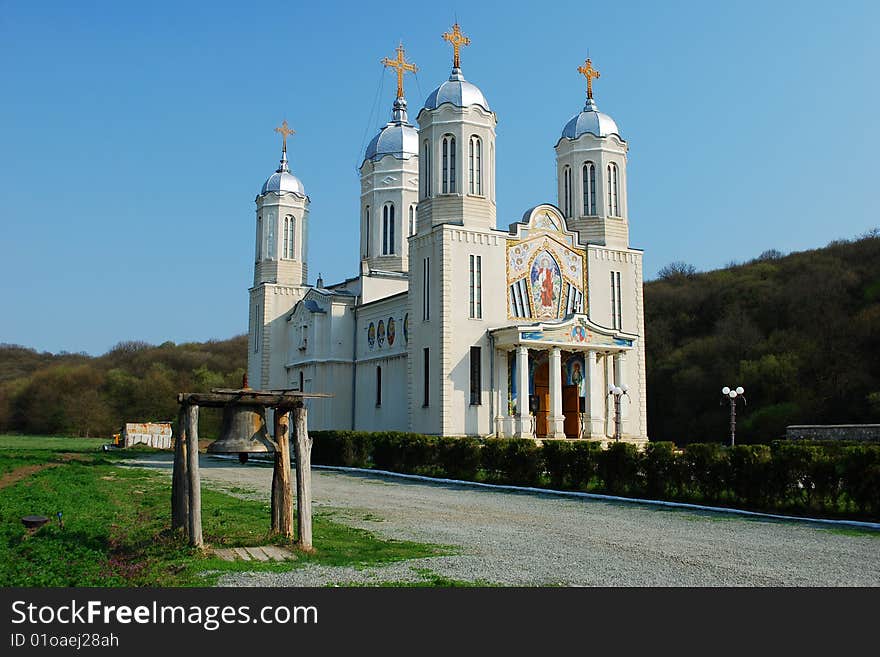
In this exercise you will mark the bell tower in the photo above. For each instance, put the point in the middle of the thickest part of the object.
(389, 185)
(457, 151)
(591, 173)
(280, 268)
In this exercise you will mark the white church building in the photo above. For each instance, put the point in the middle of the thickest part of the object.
(453, 325)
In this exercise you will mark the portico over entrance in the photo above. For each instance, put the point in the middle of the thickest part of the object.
(552, 378)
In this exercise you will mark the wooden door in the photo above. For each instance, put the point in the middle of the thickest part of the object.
(571, 410)
(542, 392)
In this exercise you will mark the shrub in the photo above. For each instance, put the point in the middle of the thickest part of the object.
(705, 469)
(749, 474)
(584, 468)
(558, 457)
(619, 468)
(791, 477)
(861, 477)
(524, 464)
(660, 469)
(512, 461)
(459, 458)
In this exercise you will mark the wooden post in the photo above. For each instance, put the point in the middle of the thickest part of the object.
(195, 487)
(282, 495)
(180, 478)
(303, 477)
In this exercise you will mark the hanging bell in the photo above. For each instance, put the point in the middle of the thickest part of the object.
(243, 432)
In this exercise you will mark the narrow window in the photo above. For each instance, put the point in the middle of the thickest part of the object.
(412, 220)
(301, 382)
(426, 175)
(566, 191)
(616, 301)
(257, 326)
(452, 165)
(426, 289)
(476, 378)
(476, 287)
(589, 188)
(388, 229)
(478, 148)
(366, 239)
(259, 236)
(379, 386)
(289, 236)
(619, 305)
(613, 208)
(270, 240)
(445, 165)
(426, 379)
(471, 165)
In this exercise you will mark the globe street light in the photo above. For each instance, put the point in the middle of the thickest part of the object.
(617, 392)
(733, 394)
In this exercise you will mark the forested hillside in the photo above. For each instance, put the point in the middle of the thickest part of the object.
(801, 334)
(75, 394)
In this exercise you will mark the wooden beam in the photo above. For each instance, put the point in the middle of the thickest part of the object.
(256, 398)
(303, 446)
(180, 478)
(195, 480)
(282, 495)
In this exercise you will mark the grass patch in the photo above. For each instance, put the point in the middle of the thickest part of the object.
(854, 531)
(116, 526)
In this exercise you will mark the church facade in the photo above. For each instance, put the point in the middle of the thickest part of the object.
(452, 325)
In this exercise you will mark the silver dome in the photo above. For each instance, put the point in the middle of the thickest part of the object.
(592, 121)
(458, 91)
(398, 138)
(283, 181)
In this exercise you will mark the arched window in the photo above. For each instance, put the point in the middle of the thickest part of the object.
(412, 219)
(475, 165)
(613, 207)
(379, 386)
(426, 169)
(448, 153)
(289, 237)
(566, 191)
(388, 229)
(270, 239)
(366, 239)
(259, 236)
(589, 188)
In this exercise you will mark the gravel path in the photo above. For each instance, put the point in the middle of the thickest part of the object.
(528, 539)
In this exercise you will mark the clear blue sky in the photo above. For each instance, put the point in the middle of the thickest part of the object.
(135, 136)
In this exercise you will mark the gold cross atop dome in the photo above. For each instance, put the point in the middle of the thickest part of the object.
(457, 39)
(588, 72)
(285, 131)
(401, 66)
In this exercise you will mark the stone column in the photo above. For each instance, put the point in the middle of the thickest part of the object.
(620, 381)
(523, 417)
(556, 427)
(594, 405)
(502, 410)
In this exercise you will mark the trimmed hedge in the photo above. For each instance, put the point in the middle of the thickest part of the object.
(791, 477)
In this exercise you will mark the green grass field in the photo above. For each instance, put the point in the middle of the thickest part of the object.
(116, 524)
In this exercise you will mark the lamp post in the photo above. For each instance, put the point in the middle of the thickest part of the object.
(733, 394)
(617, 392)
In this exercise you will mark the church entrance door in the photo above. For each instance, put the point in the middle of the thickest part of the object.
(571, 403)
(541, 399)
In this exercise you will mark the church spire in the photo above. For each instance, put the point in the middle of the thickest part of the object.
(285, 131)
(457, 39)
